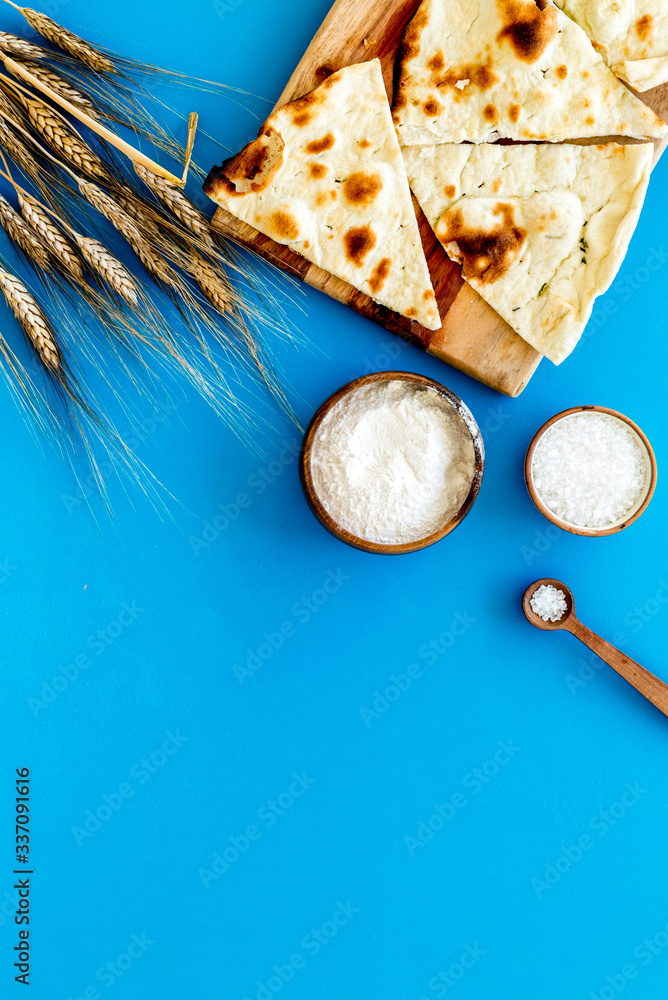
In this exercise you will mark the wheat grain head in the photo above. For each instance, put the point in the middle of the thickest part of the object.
(32, 320)
(19, 47)
(65, 142)
(23, 236)
(177, 203)
(52, 237)
(62, 87)
(109, 268)
(156, 266)
(74, 45)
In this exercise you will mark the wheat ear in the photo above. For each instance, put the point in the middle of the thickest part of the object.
(216, 290)
(106, 206)
(177, 203)
(23, 236)
(62, 87)
(137, 209)
(65, 142)
(15, 46)
(32, 320)
(51, 236)
(74, 45)
(108, 267)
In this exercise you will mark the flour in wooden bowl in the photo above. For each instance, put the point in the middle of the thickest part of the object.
(392, 462)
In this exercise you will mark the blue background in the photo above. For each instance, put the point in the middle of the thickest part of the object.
(578, 733)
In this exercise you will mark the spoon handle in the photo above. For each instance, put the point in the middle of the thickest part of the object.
(642, 680)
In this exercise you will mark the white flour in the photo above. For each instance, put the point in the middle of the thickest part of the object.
(392, 462)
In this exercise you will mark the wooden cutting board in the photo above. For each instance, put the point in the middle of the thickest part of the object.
(473, 338)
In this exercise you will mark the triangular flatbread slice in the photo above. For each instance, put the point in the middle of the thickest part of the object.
(630, 35)
(477, 70)
(326, 177)
(541, 231)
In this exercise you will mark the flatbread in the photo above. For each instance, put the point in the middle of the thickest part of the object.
(326, 178)
(631, 36)
(477, 70)
(541, 230)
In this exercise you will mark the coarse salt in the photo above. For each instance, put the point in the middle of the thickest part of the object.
(549, 603)
(392, 462)
(590, 469)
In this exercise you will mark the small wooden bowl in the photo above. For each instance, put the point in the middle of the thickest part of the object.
(635, 512)
(323, 515)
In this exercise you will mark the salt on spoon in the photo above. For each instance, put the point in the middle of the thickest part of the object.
(548, 604)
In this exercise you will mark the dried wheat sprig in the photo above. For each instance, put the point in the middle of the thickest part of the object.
(156, 266)
(23, 236)
(142, 213)
(74, 45)
(60, 249)
(59, 85)
(13, 45)
(9, 109)
(65, 142)
(133, 154)
(18, 152)
(178, 204)
(32, 320)
(108, 267)
(216, 289)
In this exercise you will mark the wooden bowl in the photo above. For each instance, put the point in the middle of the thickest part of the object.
(639, 508)
(325, 517)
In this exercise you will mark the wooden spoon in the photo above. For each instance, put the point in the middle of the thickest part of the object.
(642, 680)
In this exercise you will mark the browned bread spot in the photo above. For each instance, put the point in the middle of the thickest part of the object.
(529, 27)
(320, 145)
(362, 188)
(379, 275)
(485, 255)
(644, 27)
(359, 242)
(284, 226)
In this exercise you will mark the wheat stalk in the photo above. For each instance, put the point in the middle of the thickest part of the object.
(74, 45)
(65, 142)
(31, 319)
(58, 246)
(177, 203)
(105, 204)
(15, 46)
(23, 236)
(61, 87)
(108, 267)
(133, 154)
